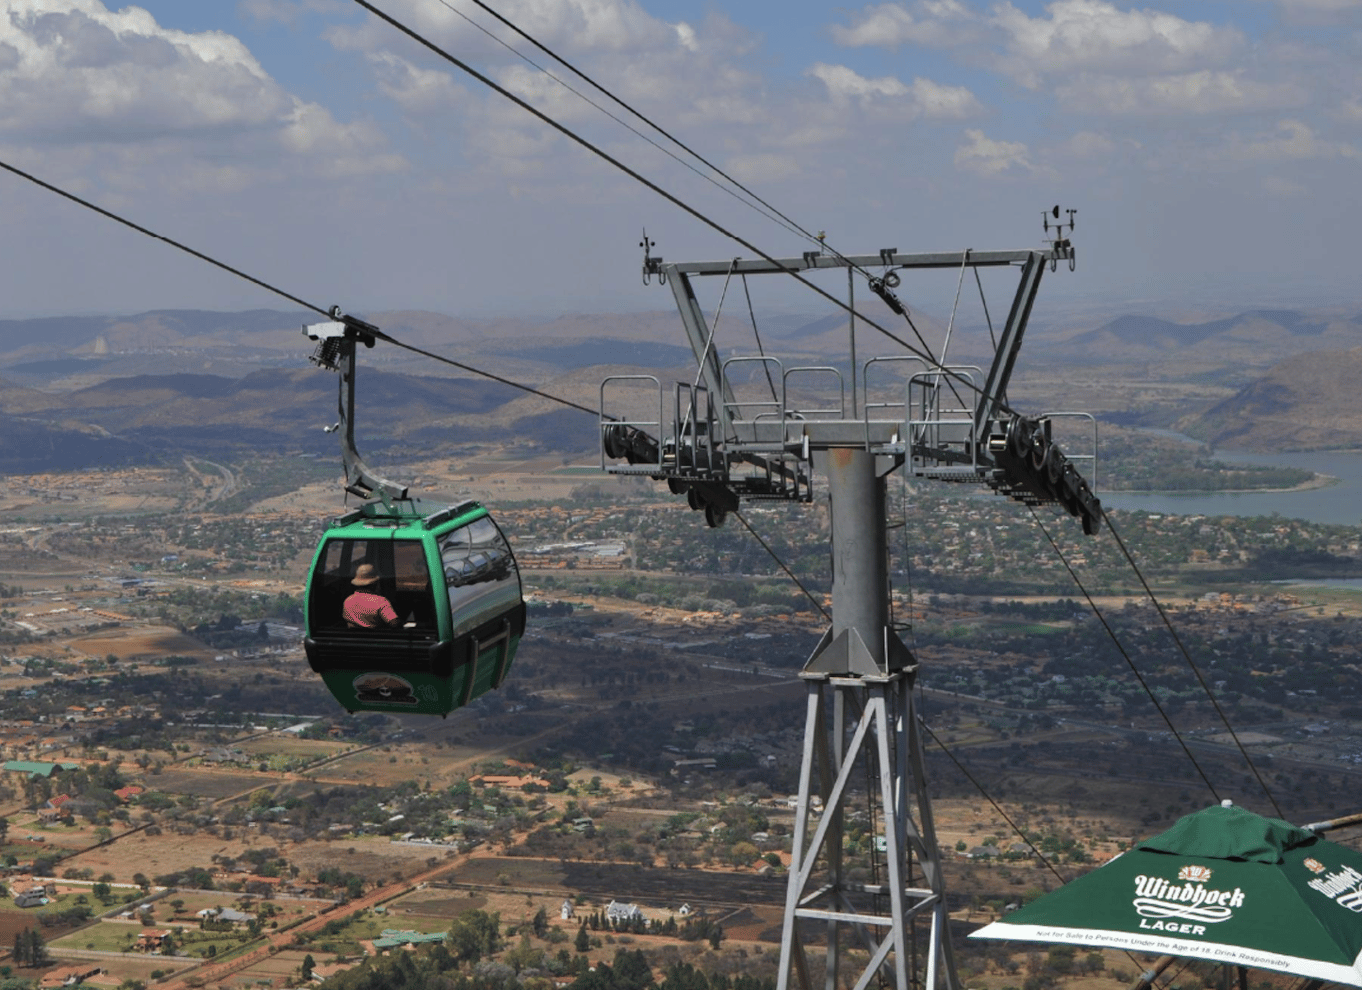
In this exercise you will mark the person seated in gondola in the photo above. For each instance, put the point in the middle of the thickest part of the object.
(364, 609)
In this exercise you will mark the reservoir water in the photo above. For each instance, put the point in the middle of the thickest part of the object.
(1339, 503)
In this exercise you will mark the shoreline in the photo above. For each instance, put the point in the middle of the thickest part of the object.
(1317, 482)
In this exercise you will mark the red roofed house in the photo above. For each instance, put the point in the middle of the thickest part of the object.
(65, 976)
(152, 939)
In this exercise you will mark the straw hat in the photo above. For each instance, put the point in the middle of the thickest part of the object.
(365, 575)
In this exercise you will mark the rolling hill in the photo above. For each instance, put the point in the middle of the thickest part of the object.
(1307, 402)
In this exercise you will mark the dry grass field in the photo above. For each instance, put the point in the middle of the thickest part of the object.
(157, 855)
(212, 783)
(141, 643)
(291, 745)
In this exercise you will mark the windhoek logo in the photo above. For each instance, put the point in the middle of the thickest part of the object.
(1313, 865)
(1175, 908)
(1344, 887)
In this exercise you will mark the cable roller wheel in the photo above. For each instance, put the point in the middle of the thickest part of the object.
(1055, 465)
(1039, 448)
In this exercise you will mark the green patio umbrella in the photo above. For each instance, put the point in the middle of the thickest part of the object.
(1222, 884)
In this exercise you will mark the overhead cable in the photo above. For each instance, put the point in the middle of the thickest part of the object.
(173, 243)
(681, 204)
(1130, 558)
(989, 798)
(778, 218)
(765, 365)
(788, 573)
(487, 374)
(998, 808)
(1130, 662)
(793, 225)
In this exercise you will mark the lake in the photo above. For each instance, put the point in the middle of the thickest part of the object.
(1339, 503)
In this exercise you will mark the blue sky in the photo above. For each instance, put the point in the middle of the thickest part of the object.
(1213, 148)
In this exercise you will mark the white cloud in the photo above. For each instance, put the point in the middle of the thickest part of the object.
(1089, 145)
(923, 98)
(941, 102)
(1097, 35)
(416, 90)
(569, 26)
(1293, 140)
(1194, 93)
(844, 83)
(936, 23)
(987, 157)
(768, 167)
(83, 75)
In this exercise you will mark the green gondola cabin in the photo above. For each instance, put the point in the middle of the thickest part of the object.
(456, 616)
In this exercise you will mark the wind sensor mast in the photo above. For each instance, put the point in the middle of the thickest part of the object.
(861, 723)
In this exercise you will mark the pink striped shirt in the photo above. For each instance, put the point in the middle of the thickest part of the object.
(369, 611)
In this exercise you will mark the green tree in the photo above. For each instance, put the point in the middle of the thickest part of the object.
(308, 964)
(475, 934)
(524, 955)
(29, 948)
(631, 970)
(583, 941)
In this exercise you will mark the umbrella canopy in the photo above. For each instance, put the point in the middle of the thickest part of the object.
(1222, 884)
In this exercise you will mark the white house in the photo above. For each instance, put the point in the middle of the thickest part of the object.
(622, 913)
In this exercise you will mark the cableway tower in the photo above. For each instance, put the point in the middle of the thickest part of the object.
(951, 424)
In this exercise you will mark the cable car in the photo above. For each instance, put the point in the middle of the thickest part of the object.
(455, 611)
(407, 609)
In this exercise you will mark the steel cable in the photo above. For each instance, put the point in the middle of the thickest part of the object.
(1182, 648)
(676, 201)
(1122, 650)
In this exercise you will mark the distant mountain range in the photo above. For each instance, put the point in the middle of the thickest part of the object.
(110, 389)
(143, 418)
(1254, 338)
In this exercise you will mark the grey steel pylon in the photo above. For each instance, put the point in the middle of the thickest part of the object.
(953, 424)
(862, 671)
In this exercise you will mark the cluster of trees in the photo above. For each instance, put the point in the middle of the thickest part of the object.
(92, 786)
(29, 948)
(338, 879)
